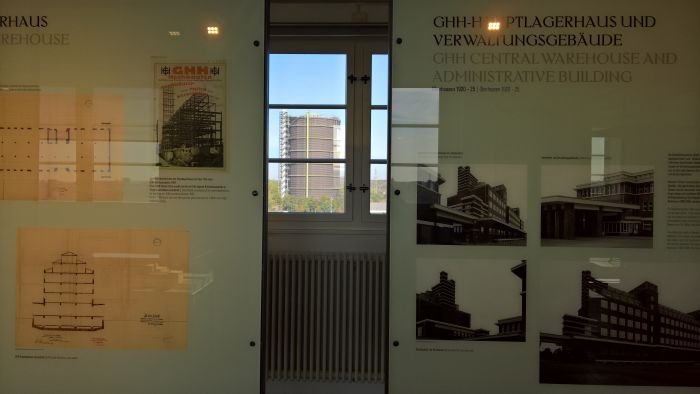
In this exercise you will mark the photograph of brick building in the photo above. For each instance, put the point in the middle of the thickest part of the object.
(624, 335)
(474, 211)
(612, 210)
(440, 317)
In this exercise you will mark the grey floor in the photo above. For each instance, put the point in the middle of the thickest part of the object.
(322, 388)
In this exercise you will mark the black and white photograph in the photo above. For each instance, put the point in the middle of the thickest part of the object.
(471, 300)
(612, 322)
(472, 204)
(190, 109)
(589, 207)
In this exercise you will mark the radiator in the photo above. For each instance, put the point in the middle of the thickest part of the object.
(325, 317)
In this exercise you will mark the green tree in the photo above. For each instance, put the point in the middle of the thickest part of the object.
(274, 199)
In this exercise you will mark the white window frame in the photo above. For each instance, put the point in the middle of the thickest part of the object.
(356, 216)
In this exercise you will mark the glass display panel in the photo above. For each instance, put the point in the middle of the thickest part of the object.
(131, 199)
(515, 142)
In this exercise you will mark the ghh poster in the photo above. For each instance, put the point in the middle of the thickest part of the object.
(190, 108)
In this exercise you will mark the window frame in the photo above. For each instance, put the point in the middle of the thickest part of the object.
(321, 47)
(367, 108)
(358, 52)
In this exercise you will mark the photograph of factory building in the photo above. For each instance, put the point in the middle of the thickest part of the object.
(471, 300)
(618, 329)
(471, 205)
(614, 209)
(190, 115)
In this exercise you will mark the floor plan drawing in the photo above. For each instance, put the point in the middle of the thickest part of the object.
(66, 147)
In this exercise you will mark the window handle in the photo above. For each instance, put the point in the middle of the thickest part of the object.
(364, 188)
(350, 188)
(365, 78)
(352, 78)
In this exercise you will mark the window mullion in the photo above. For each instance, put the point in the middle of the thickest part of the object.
(365, 141)
(358, 137)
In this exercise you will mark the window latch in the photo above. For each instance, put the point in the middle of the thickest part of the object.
(365, 78)
(364, 188)
(350, 188)
(352, 78)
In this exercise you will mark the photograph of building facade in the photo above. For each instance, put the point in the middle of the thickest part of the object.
(623, 337)
(438, 316)
(620, 205)
(314, 137)
(478, 213)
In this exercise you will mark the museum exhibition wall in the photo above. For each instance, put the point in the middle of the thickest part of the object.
(544, 198)
(544, 214)
(130, 196)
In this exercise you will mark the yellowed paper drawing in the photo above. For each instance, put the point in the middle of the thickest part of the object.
(64, 147)
(102, 288)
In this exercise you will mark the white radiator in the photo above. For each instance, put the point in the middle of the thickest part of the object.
(325, 317)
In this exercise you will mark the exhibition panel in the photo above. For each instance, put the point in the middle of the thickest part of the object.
(131, 182)
(544, 214)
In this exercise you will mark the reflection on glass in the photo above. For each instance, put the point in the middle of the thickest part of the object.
(307, 79)
(306, 187)
(149, 301)
(380, 79)
(414, 145)
(378, 134)
(416, 106)
(597, 159)
(377, 189)
(306, 134)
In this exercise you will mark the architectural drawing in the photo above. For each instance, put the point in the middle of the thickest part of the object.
(69, 297)
(61, 147)
(103, 288)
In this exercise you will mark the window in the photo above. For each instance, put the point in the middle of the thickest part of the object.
(378, 135)
(307, 119)
(327, 130)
